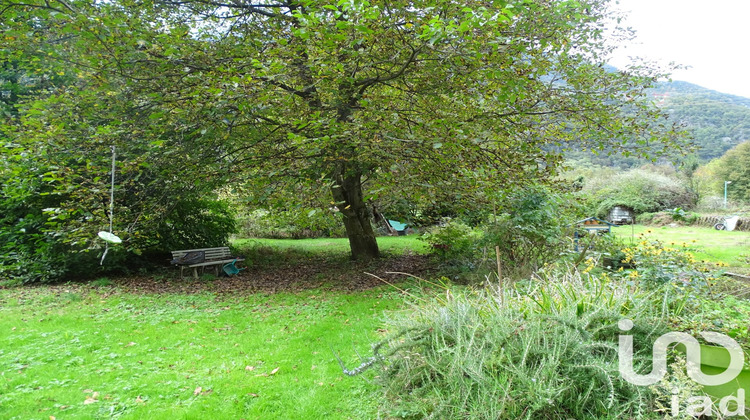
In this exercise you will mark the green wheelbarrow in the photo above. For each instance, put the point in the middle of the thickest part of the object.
(231, 269)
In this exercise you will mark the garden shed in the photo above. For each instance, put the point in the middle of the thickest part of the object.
(621, 215)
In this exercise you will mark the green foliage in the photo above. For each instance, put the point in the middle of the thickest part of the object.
(734, 166)
(641, 190)
(716, 121)
(55, 191)
(607, 246)
(728, 315)
(28, 250)
(195, 224)
(50, 216)
(255, 92)
(678, 214)
(293, 223)
(673, 265)
(710, 186)
(424, 207)
(531, 231)
(692, 217)
(17, 83)
(454, 242)
(49, 223)
(529, 234)
(645, 218)
(705, 243)
(549, 351)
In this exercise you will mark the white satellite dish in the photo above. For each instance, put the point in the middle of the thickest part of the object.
(110, 237)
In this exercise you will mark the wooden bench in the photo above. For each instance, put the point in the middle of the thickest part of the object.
(214, 257)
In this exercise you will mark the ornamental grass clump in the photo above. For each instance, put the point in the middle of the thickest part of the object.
(546, 350)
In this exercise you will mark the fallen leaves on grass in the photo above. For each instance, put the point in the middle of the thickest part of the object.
(294, 276)
(200, 391)
(273, 372)
(90, 399)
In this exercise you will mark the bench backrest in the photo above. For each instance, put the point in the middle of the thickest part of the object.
(211, 253)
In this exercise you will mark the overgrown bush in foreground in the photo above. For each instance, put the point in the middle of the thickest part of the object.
(548, 348)
(544, 351)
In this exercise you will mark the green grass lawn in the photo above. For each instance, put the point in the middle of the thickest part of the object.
(80, 352)
(732, 248)
(336, 247)
(84, 352)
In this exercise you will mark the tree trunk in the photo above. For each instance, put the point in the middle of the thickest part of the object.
(347, 192)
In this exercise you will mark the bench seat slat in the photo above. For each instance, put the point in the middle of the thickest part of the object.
(213, 257)
(206, 263)
(209, 252)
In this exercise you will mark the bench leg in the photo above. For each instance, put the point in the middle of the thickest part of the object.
(195, 272)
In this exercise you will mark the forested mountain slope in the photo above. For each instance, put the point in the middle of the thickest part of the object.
(716, 121)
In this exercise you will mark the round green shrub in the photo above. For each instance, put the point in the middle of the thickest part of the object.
(640, 190)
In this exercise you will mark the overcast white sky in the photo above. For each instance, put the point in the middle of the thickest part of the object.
(713, 37)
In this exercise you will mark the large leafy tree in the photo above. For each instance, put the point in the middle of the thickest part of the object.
(60, 120)
(353, 97)
(734, 167)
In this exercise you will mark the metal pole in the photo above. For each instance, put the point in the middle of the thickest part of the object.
(725, 192)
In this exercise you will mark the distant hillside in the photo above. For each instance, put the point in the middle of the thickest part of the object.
(718, 121)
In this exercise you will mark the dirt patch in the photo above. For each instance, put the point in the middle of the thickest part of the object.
(349, 276)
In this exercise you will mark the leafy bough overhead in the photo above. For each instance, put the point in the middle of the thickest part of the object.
(353, 96)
